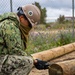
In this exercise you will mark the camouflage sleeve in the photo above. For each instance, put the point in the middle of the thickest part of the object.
(12, 38)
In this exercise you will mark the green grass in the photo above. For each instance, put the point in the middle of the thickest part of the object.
(45, 41)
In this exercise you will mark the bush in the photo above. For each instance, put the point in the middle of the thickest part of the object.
(64, 38)
(45, 41)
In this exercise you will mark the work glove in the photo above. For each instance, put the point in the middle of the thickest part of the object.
(41, 64)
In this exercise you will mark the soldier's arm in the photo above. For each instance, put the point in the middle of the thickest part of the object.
(12, 38)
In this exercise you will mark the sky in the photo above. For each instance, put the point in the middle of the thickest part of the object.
(54, 7)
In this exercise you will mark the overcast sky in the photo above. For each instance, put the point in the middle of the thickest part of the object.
(54, 7)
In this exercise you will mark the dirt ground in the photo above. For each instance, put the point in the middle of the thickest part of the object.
(65, 57)
(38, 72)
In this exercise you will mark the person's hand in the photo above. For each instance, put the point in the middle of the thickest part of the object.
(39, 64)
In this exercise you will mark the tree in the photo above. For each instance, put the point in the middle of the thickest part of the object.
(61, 19)
(43, 13)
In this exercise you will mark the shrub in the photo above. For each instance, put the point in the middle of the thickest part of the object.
(46, 40)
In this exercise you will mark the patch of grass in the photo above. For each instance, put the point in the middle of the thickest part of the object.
(47, 41)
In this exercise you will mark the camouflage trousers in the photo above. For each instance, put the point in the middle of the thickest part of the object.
(15, 65)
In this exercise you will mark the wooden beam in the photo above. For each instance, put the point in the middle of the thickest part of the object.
(55, 52)
(63, 68)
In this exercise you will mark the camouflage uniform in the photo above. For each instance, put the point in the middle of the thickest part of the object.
(13, 59)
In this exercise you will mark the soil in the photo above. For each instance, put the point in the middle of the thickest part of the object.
(65, 57)
(38, 72)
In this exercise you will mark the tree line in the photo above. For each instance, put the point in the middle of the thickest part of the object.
(60, 19)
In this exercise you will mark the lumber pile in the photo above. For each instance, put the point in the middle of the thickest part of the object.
(62, 59)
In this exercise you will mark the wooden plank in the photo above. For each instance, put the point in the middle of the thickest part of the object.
(55, 52)
(63, 68)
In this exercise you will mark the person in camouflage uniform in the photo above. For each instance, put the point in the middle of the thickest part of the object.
(14, 30)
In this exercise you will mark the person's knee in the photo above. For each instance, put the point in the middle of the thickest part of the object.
(17, 63)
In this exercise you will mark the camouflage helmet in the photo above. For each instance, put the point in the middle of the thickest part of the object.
(32, 13)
